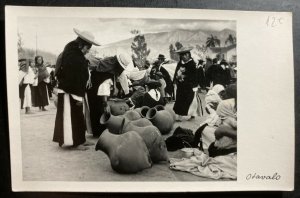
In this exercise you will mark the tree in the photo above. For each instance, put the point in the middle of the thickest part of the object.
(139, 49)
(178, 45)
(212, 41)
(20, 44)
(201, 51)
(172, 52)
(231, 40)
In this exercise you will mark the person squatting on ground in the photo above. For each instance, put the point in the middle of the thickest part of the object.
(72, 76)
(104, 74)
(153, 97)
(218, 133)
(158, 72)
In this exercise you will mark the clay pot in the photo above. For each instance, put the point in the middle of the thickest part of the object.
(159, 107)
(171, 111)
(138, 110)
(162, 119)
(142, 111)
(113, 123)
(118, 107)
(153, 139)
(127, 152)
(132, 115)
(142, 122)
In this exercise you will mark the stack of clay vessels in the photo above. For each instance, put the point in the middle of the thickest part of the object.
(118, 107)
(162, 118)
(131, 122)
(127, 152)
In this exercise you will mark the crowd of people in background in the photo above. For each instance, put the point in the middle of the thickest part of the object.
(36, 82)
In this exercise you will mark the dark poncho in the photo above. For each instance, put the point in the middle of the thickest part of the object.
(185, 79)
(74, 71)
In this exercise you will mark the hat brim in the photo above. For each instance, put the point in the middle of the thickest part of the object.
(153, 83)
(183, 50)
(79, 33)
(120, 62)
(22, 59)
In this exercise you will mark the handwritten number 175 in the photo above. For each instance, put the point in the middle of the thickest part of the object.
(274, 21)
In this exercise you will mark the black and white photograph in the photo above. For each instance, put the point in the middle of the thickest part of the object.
(127, 99)
(111, 98)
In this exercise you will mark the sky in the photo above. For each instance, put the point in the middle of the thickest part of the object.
(54, 33)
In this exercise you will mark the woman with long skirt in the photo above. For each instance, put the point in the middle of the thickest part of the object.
(42, 91)
(185, 80)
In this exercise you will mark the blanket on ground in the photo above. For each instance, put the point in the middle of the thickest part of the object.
(220, 167)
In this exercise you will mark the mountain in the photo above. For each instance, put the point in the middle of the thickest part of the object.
(159, 43)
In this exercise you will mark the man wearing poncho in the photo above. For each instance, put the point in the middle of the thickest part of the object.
(72, 76)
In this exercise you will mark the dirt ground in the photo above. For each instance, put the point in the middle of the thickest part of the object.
(44, 160)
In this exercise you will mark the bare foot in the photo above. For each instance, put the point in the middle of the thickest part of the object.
(87, 143)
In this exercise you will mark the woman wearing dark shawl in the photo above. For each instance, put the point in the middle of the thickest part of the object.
(72, 79)
(184, 78)
(42, 92)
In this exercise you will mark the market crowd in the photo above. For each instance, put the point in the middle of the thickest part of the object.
(85, 84)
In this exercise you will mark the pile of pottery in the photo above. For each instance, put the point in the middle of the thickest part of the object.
(118, 106)
(133, 140)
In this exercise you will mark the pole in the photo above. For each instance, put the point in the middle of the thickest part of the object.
(35, 43)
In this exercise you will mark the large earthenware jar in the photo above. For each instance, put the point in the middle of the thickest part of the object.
(142, 111)
(118, 107)
(132, 115)
(142, 122)
(162, 119)
(113, 123)
(153, 139)
(127, 152)
(169, 109)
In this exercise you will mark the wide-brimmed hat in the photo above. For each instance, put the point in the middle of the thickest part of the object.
(22, 59)
(153, 83)
(123, 59)
(87, 36)
(184, 50)
(159, 74)
(161, 56)
(223, 62)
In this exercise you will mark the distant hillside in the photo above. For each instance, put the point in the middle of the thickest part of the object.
(30, 54)
(160, 42)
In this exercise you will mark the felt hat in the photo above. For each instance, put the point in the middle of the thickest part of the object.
(223, 62)
(22, 59)
(87, 36)
(161, 56)
(200, 61)
(123, 59)
(159, 74)
(153, 83)
(184, 50)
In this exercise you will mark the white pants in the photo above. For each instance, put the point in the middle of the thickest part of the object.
(27, 97)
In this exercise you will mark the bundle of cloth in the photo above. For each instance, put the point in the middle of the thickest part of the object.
(219, 137)
(200, 164)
